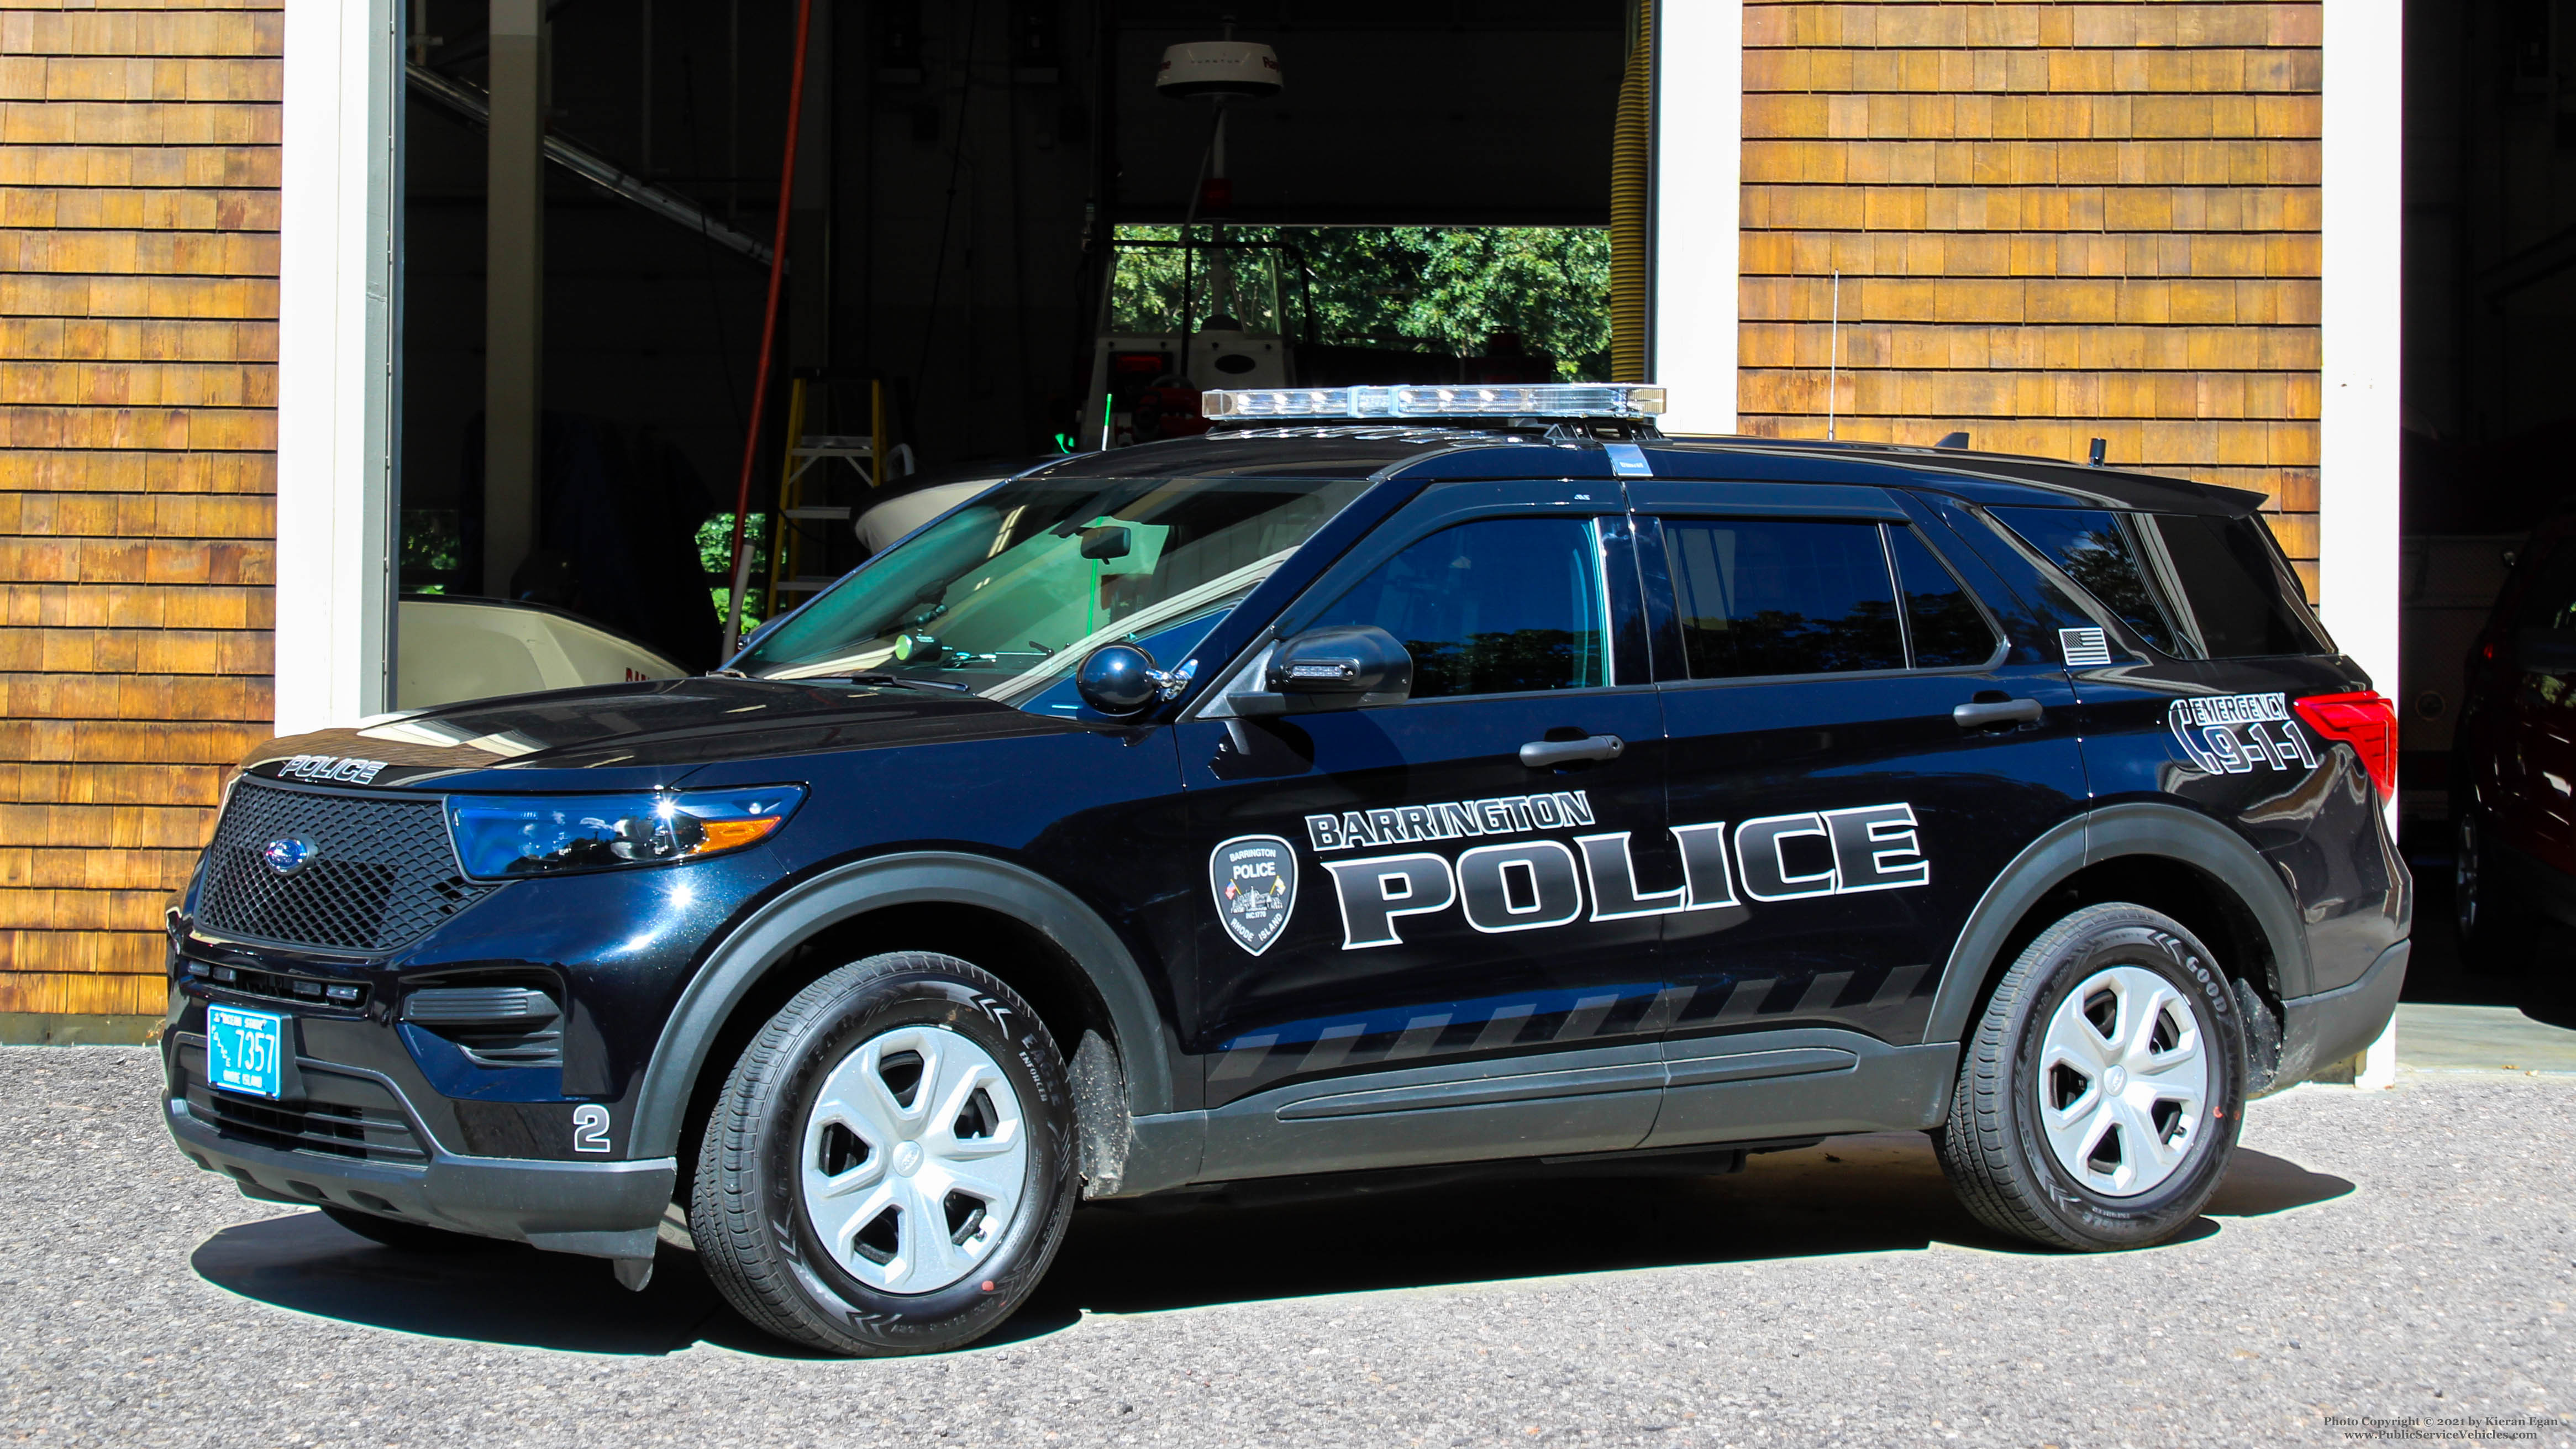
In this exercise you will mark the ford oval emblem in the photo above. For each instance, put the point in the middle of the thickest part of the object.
(287, 856)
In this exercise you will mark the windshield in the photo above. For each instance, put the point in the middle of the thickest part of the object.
(1006, 595)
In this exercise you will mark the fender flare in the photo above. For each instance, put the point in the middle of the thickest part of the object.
(946, 877)
(2137, 828)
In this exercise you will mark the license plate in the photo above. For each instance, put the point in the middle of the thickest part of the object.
(244, 1049)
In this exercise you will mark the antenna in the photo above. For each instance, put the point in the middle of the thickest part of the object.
(1833, 356)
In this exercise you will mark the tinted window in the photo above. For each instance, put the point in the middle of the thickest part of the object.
(1007, 594)
(1944, 622)
(1494, 607)
(2097, 552)
(1761, 597)
(2549, 598)
(2240, 599)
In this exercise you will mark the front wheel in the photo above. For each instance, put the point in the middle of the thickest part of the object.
(890, 1167)
(2102, 1089)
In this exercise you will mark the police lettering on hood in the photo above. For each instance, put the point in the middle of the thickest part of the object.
(1538, 883)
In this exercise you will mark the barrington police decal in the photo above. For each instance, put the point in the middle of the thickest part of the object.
(1255, 881)
(1502, 885)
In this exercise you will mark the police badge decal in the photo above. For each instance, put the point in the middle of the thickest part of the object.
(1254, 879)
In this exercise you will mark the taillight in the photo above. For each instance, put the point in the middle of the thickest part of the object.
(2366, 721)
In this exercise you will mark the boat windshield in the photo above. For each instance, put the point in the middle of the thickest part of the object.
(1007, 594)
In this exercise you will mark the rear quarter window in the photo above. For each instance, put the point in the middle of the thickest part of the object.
(2191, 585)
(2242, 599)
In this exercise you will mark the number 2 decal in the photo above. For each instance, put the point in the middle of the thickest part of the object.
(590, 1128)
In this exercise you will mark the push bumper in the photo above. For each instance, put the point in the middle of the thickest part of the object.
(2332, 1025)
(604, 1209)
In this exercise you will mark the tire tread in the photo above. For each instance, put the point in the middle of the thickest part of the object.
(727, 1222)
(1975, 1145)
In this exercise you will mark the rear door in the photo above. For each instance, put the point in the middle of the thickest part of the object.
(1419, 946)
(1856, 752)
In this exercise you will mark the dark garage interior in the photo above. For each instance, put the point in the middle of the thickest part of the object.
(2489, 393)
(965, 175)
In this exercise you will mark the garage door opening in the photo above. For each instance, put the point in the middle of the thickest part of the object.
(985, 268)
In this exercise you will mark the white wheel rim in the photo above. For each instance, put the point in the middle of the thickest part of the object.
(911, 1177)
(2123, 1075)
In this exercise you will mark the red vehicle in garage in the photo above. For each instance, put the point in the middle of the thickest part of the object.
(2514, 768)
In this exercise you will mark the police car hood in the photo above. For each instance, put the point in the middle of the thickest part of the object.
(629, 736)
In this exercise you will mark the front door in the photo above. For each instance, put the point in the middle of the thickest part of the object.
(1841, 812)
(1424, 936)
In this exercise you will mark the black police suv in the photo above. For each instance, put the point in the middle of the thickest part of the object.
(1370, 784)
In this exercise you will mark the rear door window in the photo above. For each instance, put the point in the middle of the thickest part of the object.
(1942, 620)
(1759, 597)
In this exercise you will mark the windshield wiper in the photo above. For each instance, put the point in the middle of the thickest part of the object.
(908, 683)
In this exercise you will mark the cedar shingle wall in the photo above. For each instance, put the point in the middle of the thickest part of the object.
(138, 382)
(2054, 222)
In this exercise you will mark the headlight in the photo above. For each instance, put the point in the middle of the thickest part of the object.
(511, 835)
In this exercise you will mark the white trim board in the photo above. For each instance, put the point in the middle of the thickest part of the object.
(2357, 483)
(335, 376)
(1698, 210)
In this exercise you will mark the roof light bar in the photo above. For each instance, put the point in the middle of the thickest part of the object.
(1511, 400)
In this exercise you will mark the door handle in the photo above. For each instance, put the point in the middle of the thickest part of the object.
(2000, 712)
(1547, 754)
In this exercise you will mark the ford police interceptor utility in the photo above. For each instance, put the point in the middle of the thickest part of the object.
(1392, 778)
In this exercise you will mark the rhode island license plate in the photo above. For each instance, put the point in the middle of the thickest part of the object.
(243, 1049)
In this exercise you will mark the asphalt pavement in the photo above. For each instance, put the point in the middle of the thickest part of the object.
(2405, 1255)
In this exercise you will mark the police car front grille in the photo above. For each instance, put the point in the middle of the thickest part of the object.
(364, 1124)
(381, 873)
(328, 1128)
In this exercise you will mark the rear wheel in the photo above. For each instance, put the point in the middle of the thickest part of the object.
(2498, 931)
(2099, 1100)
(890, 1168)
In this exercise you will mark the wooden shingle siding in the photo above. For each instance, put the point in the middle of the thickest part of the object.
(138, 388)
(2054, 223)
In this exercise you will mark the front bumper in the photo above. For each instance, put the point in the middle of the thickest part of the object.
(605, 1209)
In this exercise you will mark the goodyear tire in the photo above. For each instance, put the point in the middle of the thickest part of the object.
(2101, 1092)
(890, 1167)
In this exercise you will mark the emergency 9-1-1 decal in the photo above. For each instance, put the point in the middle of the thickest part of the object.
(2229, 734)
(1537, 884)
(1254, 878)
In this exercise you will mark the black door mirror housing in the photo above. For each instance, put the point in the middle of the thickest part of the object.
(1118, 680)
(1350, 667)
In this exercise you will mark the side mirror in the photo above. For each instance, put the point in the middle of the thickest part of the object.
(1118, 680)
(1106, 542)
(1351, 667)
